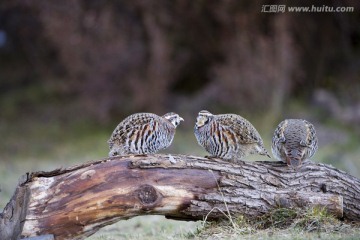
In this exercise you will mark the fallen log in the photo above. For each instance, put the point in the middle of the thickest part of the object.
(75, 202)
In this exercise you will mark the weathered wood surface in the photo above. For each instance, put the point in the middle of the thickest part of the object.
(75, 202)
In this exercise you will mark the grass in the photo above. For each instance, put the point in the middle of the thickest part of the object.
(147, 227)
(313, 223)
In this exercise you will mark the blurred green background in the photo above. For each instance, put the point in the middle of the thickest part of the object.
(70, 71)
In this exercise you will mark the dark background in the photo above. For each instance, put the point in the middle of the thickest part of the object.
(102, 60)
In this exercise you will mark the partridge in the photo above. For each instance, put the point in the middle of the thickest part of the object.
(294, 141)
(143, 133)
(228, 136)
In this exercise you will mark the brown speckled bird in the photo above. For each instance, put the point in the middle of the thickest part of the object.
(143, 133)
(294, 141)
(228, 136)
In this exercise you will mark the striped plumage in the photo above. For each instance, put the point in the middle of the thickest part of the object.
(227, 136)
(294, 141)
(143, 133)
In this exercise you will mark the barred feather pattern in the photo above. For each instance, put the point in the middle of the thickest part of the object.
(228, 136)
(294, 140)
(142, 133)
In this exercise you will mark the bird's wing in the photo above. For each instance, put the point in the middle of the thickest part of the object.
(279, 136)
(243, 129)
(311, 139)
(132, 125)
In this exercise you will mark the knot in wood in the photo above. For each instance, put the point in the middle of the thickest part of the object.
(147, 194)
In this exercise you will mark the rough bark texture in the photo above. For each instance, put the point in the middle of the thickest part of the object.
(75, 202)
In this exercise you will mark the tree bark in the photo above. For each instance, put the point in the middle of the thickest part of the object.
(75, 202)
